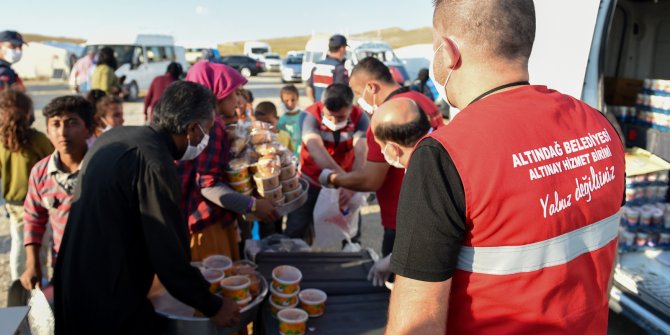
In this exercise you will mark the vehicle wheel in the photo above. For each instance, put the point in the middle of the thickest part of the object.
(133, 92)
(246, 72)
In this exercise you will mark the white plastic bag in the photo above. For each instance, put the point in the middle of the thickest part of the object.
(331, 226)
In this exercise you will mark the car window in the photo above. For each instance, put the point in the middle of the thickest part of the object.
(294, 61)
(272, 57)
(162, 56)
(169, 54)
(153, 54)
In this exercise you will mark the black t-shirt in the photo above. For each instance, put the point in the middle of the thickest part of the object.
(431, 216)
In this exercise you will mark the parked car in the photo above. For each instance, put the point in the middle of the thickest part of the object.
(246, 65)
(272, 62)
(291, 69)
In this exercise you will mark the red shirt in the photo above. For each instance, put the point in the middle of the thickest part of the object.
(207, 170)
(48, 201)
(388, 194)
(342, 151)
(156, 89)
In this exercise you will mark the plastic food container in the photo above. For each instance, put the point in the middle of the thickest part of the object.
(238, 171)
(291, 184)
(266, 183)
(261, 136)
(286, 279)
(287, 172)
(214, 277)
(268, 166)
(284, 300)
(313, 301)
(236, 288)
(274, 308)
(219, 262)
(244, 267)
(292, 321)
(279, 202)
(292, 195)
(267, 149)
(242, 186)
(273, 195)
(255, 279)
(286, 158)
(260, 125)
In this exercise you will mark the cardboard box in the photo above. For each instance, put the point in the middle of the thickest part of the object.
(622, 92)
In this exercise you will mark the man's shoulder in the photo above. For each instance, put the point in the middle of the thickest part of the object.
(39, 170)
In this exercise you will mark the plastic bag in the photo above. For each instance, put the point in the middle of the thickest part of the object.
(331, 225)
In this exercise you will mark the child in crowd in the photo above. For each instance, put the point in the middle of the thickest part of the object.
(22, 147)
(291, 120)
(244, 107)
(52, 180)
(108, 111)
(266, 111)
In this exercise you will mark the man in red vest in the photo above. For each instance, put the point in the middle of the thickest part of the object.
(333, 137)
(373, 83)
(508, 216)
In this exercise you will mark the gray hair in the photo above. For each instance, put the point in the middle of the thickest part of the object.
(181, 104)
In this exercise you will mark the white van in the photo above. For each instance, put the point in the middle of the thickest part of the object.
(256, 50)
(579, 43)
(140, 58)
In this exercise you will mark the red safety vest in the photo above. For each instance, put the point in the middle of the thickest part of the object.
(543, 175)
(342, 152)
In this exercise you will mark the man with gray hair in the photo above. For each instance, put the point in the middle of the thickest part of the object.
(497, 232)
(126, 226)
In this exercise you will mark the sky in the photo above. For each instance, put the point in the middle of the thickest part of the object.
(213, 21)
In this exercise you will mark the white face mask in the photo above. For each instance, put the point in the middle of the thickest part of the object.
(289, 111)
(193, 152)
(365, 105)
(334, 126)
(12, 55)
(393, 162)
(442, 89)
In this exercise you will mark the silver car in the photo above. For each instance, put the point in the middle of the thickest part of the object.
(291, 69)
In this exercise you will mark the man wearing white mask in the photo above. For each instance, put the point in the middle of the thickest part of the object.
(372, 82)
(125, 225)
(11, 48)
(333, 137)
(491, 238)
(397, 126)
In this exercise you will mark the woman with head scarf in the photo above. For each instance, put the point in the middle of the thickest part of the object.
(210, 205)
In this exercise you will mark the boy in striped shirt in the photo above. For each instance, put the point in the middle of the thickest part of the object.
(52, 180)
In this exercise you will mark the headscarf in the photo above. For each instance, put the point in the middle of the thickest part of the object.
(222, 79)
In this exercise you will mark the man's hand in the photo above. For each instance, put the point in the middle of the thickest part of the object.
(266, 211)
(380, 272)
(228, 315)
(31, 278)
(345, 197)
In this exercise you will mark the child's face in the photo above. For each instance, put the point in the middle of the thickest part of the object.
(114, 116)
(271, 119)
(68, 133)
(290, 100)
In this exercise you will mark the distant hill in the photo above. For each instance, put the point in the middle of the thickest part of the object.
(43, 38)
(396, 37)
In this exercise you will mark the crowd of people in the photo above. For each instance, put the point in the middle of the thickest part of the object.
(130, 206)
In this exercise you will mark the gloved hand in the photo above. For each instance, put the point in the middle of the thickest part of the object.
(323, 178)
(380, 272)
